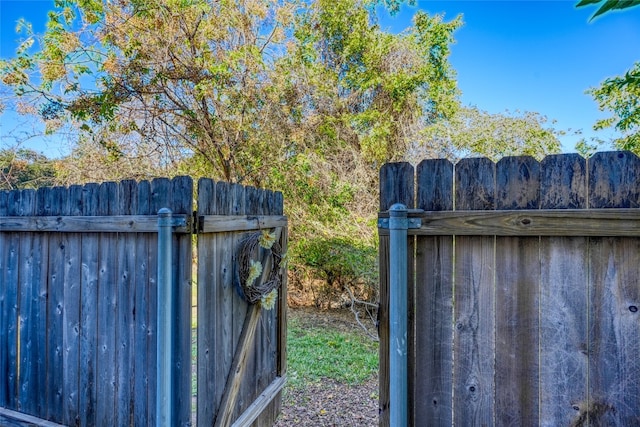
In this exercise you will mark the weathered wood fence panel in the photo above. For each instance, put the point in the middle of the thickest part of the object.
(78, 301)
(222, 310)
(517, 317)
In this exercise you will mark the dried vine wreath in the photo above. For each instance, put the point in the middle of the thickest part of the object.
(254, 250)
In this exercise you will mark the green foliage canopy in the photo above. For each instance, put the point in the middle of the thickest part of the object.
(23, 168)
(620, 95)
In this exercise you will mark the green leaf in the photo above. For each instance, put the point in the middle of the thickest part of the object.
(587, 2)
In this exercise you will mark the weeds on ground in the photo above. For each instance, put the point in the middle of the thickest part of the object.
(314, 354)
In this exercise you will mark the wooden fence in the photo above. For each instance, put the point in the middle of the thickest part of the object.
(78, 300)
(524, 291)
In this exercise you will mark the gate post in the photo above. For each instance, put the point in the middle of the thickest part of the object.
(164, 352)
(398, 225)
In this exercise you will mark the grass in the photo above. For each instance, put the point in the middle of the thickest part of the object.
(314, 354)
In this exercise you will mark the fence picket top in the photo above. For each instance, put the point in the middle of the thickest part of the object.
(206, 196)
(128, 197)
(517, 183)
(238, 200)
(613, 180)
(90, 199)
(396, 185)
(182, 195)
(279, 203)
(161, 196)
(563, 182)
(435, 185)
(475, 184)
(223, 200)
(4, 196)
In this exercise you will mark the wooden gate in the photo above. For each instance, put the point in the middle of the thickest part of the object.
(524, 291)
(78, 301)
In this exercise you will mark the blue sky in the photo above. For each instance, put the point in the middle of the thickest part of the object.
(536, 55)
(510, 55)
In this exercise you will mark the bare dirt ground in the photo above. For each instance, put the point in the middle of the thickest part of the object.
(330, 403)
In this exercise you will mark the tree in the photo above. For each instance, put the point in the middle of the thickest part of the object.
(619, 94)
(23, 168)
(475, 132)
(306, 97)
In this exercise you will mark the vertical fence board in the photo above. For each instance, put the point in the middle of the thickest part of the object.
(71, 314)
(613, 180)
(517, 299)
(182, 203)
(433, 364)
(396, 186)
(125, 291)
(40, 293)
(474, 323)
(106, 310)
(143, 352)
(55, 307)
(224, 291)
(563, 296)
(5, 239)
(472, 184)
(207, 337)
(88, 312)
(10, 313)
(614, 336)
(27, 335)
(614, 371)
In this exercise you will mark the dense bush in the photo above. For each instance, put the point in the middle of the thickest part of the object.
(341, 271)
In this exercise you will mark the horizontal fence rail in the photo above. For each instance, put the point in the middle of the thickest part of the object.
(548, 222)
(524, 290)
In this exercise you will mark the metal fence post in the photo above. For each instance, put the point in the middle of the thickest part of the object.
(164, 403)
(398, 225)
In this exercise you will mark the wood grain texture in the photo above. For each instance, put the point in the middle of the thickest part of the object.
(614, 289)
(614, 370)
(474, 191)
(528, 222)
(432, 357)
(474, 322)
(106, 311)
(71, 313)
(207, 337)
(55, 307)
(563, 296)
(111, 224)
(434, 178)
(88, 313)
(517, 278)
(613, 178)
(142, 334)
(125, 307)
(23, 366)
(396, 185)
(563, 182)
